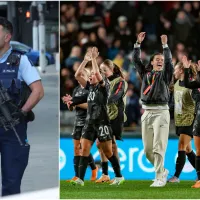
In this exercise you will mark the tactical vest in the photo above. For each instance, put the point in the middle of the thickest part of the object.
(17, 89)
(113, 107)
(184, 106)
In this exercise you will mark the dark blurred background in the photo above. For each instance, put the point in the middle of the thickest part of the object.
(113, 27)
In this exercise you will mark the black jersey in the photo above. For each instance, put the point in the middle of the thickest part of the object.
(97, 101)
(195, 86)
(80, 95)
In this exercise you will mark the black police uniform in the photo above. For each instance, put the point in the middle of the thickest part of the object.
(79, 94)
(97, 122)
(14, 157)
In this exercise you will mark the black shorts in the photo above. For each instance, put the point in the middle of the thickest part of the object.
(117, 127)
(77, 132)
(196, 127)
(187, 130)
(93, 131)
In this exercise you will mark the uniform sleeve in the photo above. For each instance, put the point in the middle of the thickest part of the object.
(107, 86)
(136, 58)
(74, 92)
(27, 72)
(79, 99)
(168, 65)
(117, 92)
(190, 84)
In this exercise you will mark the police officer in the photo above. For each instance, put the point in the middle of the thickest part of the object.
(17, 75)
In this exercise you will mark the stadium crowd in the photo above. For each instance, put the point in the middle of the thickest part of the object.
(113, 27)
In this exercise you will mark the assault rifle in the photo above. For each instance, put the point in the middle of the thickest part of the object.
(6, 119)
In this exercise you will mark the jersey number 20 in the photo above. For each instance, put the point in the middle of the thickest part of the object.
(103, 130)
(91, 96)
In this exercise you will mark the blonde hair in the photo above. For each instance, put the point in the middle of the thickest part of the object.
(193, 69)
(111, 65)
(193, 74)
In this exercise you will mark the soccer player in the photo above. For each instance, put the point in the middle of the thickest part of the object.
(184, 117)
(97, 124)
(80, 95)
(116, 106)
(196, 128)
(156, 78)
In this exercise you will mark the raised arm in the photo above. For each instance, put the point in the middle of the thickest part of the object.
(198, 70)
(139, 66)
(95, 67)
(187, 82)
(78, 74)
(168, 65)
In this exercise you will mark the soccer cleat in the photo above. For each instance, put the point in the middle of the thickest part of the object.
(94, 174)
(118, 181)
(158, 183)
(78, 181)
(74, 178)
(111, 181)
(196, 185)
(104, 178)
(174, 179)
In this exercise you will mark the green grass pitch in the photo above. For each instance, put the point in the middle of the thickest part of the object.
(129, 190)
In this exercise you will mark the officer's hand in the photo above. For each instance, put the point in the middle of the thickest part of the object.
(20, 115)
(198, 66)
(163, 39)
(141, 37)
(186, 62)
(30, 116)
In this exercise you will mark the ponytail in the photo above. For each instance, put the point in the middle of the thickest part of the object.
(116, 70)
